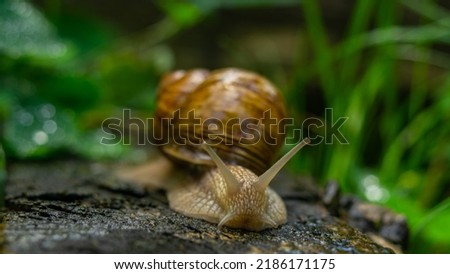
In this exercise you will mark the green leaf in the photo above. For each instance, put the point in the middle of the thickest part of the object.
(183, 13)
(38, 130)
(90, 146)
(71, 91)
(41, 130)
(24, 31)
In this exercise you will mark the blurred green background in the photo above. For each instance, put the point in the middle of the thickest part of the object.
(65, 66)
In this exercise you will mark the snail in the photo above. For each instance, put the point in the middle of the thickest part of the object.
(222, 125)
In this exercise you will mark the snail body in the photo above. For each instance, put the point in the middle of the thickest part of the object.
(229, 161)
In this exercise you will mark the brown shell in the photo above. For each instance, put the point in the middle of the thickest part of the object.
(224, 108)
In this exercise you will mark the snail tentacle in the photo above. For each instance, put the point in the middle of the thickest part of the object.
(267, 177)
(232, 183)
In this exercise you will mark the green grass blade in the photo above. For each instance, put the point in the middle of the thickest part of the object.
(322, 50)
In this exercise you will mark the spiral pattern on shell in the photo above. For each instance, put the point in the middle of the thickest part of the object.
(238, 112)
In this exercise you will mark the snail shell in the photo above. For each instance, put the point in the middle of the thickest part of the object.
(228, 125)
(221, 99)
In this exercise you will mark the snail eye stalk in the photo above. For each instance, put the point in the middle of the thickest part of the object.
(265, 179)
(233, 184)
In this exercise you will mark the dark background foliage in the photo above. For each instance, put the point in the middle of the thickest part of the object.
(65, 66)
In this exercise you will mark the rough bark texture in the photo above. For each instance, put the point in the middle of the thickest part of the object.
(77, 207)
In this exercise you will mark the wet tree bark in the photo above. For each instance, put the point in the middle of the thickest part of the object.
(78, 207)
